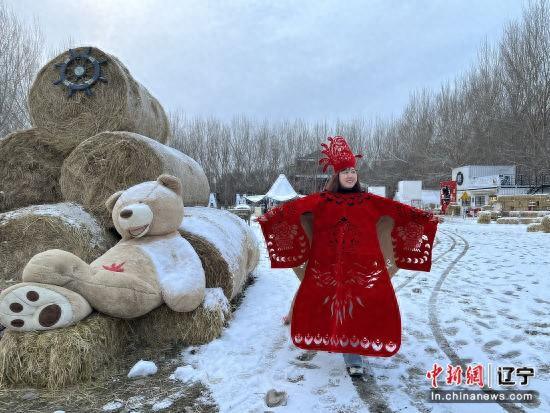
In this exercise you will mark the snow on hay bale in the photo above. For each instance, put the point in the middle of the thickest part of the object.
(30, 165)
(534, 227)
(484, 217)
(27, 231)
(112, 161)
(545, 223)
(524, 220)
(163, 326)
(61, 357)
(507, 220)
(119, 104)
(226, 245)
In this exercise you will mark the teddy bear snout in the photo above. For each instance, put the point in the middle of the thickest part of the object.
(136, 219)
(126, 213)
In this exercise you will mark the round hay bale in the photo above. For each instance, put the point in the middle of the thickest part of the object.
(215, 267)
(113, 161)
(545, 222)
(534, 227)
(513, 221)
(57, 358)
(484, 217)
(453, 210)
(30, 166)
(120, 104)
(27, 231)
(226, 245)
(162, 326)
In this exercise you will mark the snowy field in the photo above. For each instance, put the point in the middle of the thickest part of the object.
(486, 300)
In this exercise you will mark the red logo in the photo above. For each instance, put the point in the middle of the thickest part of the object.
(474, 375)
(434, 373)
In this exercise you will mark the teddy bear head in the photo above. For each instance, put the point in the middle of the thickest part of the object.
(149, 208)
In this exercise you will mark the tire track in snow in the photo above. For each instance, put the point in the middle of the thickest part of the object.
(415, 274)
(440, 338)
(368, 389)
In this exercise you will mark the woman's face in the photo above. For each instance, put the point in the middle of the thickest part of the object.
(347, 178)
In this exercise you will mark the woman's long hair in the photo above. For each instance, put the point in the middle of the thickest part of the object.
(333, 185)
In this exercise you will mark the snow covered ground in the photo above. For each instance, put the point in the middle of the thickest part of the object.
(486, 300)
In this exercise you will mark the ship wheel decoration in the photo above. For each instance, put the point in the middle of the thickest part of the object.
(80, 71)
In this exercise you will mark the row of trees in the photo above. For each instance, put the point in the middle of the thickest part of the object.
(245, 155)
(495, 113)
(20, 52)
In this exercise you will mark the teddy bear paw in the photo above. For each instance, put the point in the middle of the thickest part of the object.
(32, 306)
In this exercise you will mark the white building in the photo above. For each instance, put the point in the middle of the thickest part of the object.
(212, 201)
(477, 184)
(377, 190)
(280, 191)
(431, 198)
(409, 192)
(240, 199)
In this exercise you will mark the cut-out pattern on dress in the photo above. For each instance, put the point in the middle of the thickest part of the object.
(343, 343)
(345, 302)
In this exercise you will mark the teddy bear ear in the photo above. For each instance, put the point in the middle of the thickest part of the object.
(171, 182)
(111, 201)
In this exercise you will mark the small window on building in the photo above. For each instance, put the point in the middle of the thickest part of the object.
(506, 180)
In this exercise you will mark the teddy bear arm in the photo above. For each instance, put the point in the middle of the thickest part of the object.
(120, 294)
(182, 293)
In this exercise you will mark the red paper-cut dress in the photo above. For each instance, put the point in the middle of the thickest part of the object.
(346, 302)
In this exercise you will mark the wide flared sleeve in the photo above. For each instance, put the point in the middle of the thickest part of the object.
(286, 240)
(412, 235)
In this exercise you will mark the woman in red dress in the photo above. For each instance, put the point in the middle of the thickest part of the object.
(346, 302)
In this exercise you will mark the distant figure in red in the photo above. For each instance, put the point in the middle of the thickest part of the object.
(346, 302)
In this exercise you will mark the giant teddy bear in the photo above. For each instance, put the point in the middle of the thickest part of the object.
(152, 264)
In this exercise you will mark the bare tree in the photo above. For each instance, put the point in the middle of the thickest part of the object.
(20, 54)
(525, 58)
(497, 112)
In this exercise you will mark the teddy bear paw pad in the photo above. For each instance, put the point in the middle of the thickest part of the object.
(28, 307)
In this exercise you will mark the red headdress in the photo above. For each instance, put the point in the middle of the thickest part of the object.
(339, 154)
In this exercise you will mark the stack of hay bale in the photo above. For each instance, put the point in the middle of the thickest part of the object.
(484, 217)
(536, 220)
(453, 209)
(85, 144)
(523, 202)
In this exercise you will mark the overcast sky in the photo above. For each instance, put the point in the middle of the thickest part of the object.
(280, 59)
